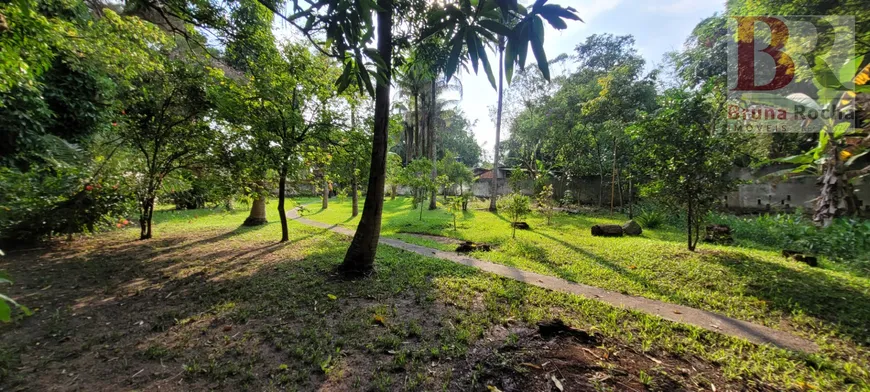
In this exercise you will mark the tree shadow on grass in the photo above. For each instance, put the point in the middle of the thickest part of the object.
(255, 315)
(811, 292)
(562, 272)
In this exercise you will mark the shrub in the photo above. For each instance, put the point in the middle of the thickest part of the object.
(650, 218)
(35, 205)
(567, 198)
(464, 199)
(193, 192)
(455, 205)
(545, 202)
(517, 206)
(341, 195)
(846, 241)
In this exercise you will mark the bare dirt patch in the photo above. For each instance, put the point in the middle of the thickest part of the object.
(516, 358)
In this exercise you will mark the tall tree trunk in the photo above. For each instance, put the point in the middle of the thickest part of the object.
(600, 174)
(689, 221)
(360, 256)
(408, 143)
(418, 134)
(613, 179)
(621, 191)
(393, 190)
(150, 218)
(354, 197)
(282, 183)
(630, 197)
(431, 128)
(258, 212)
(325, 203)
(493, 193)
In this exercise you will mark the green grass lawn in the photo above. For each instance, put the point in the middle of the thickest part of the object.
(759, 285)
(210, 305)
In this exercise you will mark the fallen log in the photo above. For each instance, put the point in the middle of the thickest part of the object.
(607, 231)
(468, 247)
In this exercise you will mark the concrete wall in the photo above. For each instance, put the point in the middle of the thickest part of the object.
(761, 194)
(756, 194)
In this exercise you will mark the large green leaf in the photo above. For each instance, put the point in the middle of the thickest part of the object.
(841, 129)
(481, 50)
(824, 137)
(824, 77)
(797, 159)
(848, 71)
(522, 47)
(5, 312)
(537, 39)
(552, 13)
(509, 59)
(471, 44)
(564, 12)
(344, 80)
(453, 59)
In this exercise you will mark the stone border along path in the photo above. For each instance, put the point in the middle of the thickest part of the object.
(710, 321)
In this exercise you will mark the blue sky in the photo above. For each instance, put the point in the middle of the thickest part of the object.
(657, 26)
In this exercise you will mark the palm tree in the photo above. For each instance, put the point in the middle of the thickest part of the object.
(412, 83)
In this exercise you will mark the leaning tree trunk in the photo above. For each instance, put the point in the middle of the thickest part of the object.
(493, 192)
(258, 212)
(431, 128)
(282, 182)
(360, 256)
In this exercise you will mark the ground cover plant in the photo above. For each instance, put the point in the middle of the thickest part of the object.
(168, 115)
(215, 305)
(748, 283)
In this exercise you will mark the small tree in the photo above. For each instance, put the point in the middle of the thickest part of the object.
(454, 206)
(393, 171)
(688, 157)
(457, 173)
(166, 124)
(416, 175)
(545, 202)
(517, 206)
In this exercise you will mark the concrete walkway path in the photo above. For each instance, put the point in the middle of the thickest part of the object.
(710, 321)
